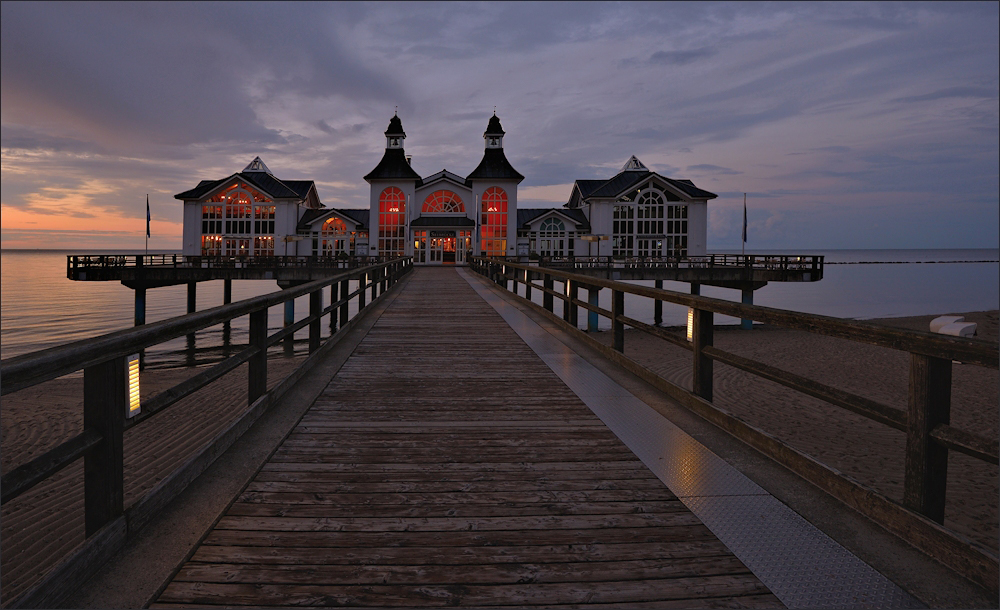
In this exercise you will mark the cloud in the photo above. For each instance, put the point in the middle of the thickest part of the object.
(680, 58)
(713, 169)
(952, 92)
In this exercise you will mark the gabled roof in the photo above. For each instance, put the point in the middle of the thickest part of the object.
(313, 216)
(266, 183)
(527, 216)
(633, 173)
(445, 175)
(393, 166)
(495, 166)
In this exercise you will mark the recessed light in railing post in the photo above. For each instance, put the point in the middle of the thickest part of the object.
(690, 329)
(132, 369)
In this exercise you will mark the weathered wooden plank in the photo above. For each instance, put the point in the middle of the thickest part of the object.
(498, 573)
(437, 595)
(462, 556)
(423, 476)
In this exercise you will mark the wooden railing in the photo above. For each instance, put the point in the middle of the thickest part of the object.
(770, 262)
(926, 422)
(103, 361)
(84, 262)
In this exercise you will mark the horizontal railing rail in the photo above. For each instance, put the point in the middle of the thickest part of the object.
(103, 361)
(84, 262)
(770, 262)
(926, 421)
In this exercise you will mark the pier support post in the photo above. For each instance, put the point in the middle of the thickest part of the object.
(104, 400)
(658, 305)
(745, 323)
(333, 312)
(227, 326)
(140, 318)
(288, 321)
(574, 295)
(315, 307)
(926, 461)
(617, 326)
(257, 373)
(702, 337)
(345, 289)
(527, 284)
(547, 297)
(593, 299)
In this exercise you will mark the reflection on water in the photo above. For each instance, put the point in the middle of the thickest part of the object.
(40, 308)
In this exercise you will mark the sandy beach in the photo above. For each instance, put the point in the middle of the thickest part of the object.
(42, 525)
(860, 448)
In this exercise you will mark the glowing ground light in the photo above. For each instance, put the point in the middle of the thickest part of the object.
(133, 385)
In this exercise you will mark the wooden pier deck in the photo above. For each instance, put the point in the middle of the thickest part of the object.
(444, 465)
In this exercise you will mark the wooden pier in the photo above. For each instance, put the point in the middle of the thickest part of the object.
(447, 465)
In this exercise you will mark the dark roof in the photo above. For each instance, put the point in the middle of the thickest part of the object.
(626, 179)
(266, 183)
(393, 166)
(494, 128)
(528, 215)
(589, 186)
(619, 183)
(301, 187)
(494, 166)
(310, 216)
(443, 221)
(395, 127)
(359, 216)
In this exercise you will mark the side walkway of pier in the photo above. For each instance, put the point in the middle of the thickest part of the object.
(447, 464)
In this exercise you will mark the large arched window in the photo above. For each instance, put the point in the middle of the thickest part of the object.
(333, 235)
(493, 226)
(443, 202)
(391, 222)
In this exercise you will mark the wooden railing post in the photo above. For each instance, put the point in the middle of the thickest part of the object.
(658, 306)
(593, 299)
(333, 312)
(345, 289)
(104, 403)
(257, 369)
(315, 307)
(702, 328)
(926, 461)
(547, 297)
(362, 287)
(617, 326)
(527, 284)
(574, 294)
(375, 280)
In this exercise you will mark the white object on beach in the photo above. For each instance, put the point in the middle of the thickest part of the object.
(938, 323)
(959, 329)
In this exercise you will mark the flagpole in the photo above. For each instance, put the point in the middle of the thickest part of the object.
(744, 224)
(147, 224)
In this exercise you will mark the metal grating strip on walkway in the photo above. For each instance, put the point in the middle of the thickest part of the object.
(447, 464)
(801, 565)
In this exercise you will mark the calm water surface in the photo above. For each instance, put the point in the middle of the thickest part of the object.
(40, 308)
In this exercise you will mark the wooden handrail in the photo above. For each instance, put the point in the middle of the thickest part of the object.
(929, 436)
(102, 360)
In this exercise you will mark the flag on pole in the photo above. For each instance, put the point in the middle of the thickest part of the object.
(744, 218)
(147, 218)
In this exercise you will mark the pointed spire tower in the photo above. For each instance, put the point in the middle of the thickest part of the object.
(393, 165)
(494, 165)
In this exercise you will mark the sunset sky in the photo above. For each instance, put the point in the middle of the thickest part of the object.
(848, 125)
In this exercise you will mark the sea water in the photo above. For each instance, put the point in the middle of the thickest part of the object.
(41, 308)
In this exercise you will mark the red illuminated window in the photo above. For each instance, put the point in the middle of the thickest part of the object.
(443, 202)
(493, 226)
(391, 222)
